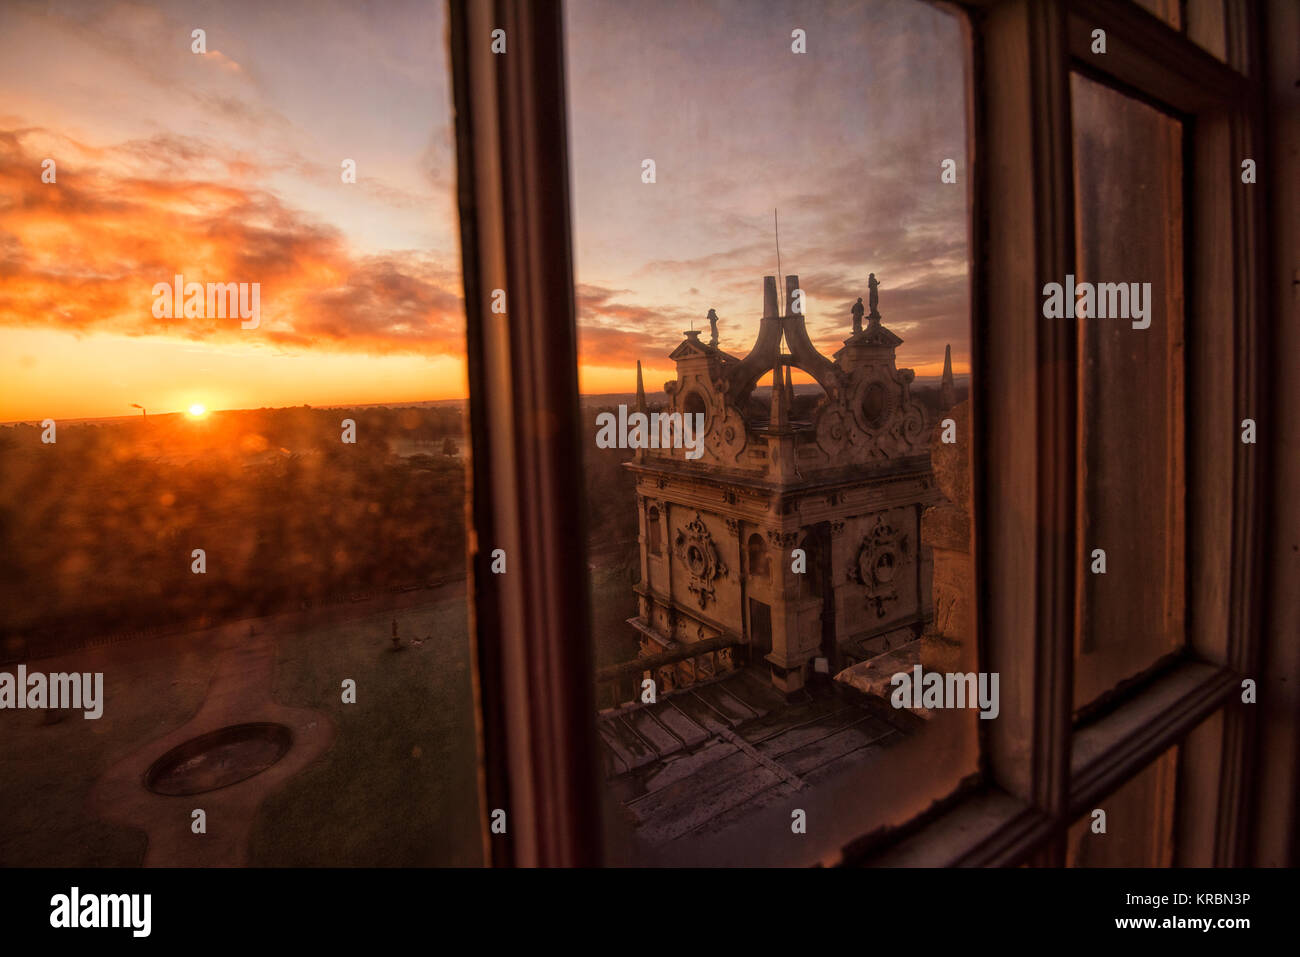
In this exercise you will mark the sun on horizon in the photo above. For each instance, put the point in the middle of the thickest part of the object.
(197, 410)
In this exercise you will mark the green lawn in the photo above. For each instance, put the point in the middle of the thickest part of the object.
(398, 786)
(49, 768)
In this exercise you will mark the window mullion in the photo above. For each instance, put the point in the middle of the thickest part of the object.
(1027, 380)
(532, 630)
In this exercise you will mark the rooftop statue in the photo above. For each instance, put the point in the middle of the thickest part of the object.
(713, 327)
(857, 315)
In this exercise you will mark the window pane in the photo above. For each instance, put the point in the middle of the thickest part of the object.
(1138, 822)
(1128, 181)
(239, 501)
(1205, 26)
(1166, 10)
(769, 574)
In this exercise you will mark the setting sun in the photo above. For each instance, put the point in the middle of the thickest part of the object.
(197, 410)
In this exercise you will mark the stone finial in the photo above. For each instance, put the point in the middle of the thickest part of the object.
(946, 394)
(641, 403)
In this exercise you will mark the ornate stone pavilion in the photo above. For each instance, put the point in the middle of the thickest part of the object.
(844, 476)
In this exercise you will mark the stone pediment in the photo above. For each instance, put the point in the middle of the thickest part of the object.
(874, 335)
(692, 348)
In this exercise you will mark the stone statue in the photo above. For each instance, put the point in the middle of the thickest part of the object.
(874, 296)
(857, 315)
(713, 327)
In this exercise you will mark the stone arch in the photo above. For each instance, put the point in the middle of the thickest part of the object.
(693, 402)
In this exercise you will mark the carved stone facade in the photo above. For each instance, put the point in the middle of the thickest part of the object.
(699, 555)
(883, 560)
(845, 478)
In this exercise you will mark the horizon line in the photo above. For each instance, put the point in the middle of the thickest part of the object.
(391, 404)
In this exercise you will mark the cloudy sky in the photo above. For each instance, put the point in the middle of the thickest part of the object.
(224, 167)
(845, 140)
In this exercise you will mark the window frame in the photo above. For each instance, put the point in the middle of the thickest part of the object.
(1040, 768)
(529, 628)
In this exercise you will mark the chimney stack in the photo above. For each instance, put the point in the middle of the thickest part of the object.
(780, 417)
(769, 297)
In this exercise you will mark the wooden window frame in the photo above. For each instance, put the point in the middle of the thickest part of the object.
(1040, 767)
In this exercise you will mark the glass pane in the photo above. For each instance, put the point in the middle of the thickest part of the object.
(1137, 829)
(1129, 286)
(775, 257)
(1205, 26)
(1166, 10)
(231, 474)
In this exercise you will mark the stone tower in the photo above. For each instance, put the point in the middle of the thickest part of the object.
(795, 535)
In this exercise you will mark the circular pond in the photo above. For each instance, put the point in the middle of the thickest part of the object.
(218, 759)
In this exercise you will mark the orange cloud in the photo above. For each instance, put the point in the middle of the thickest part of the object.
(83, 254)
(223, 61)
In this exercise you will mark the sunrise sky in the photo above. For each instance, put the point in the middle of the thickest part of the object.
(846, 140)
(225, 167)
